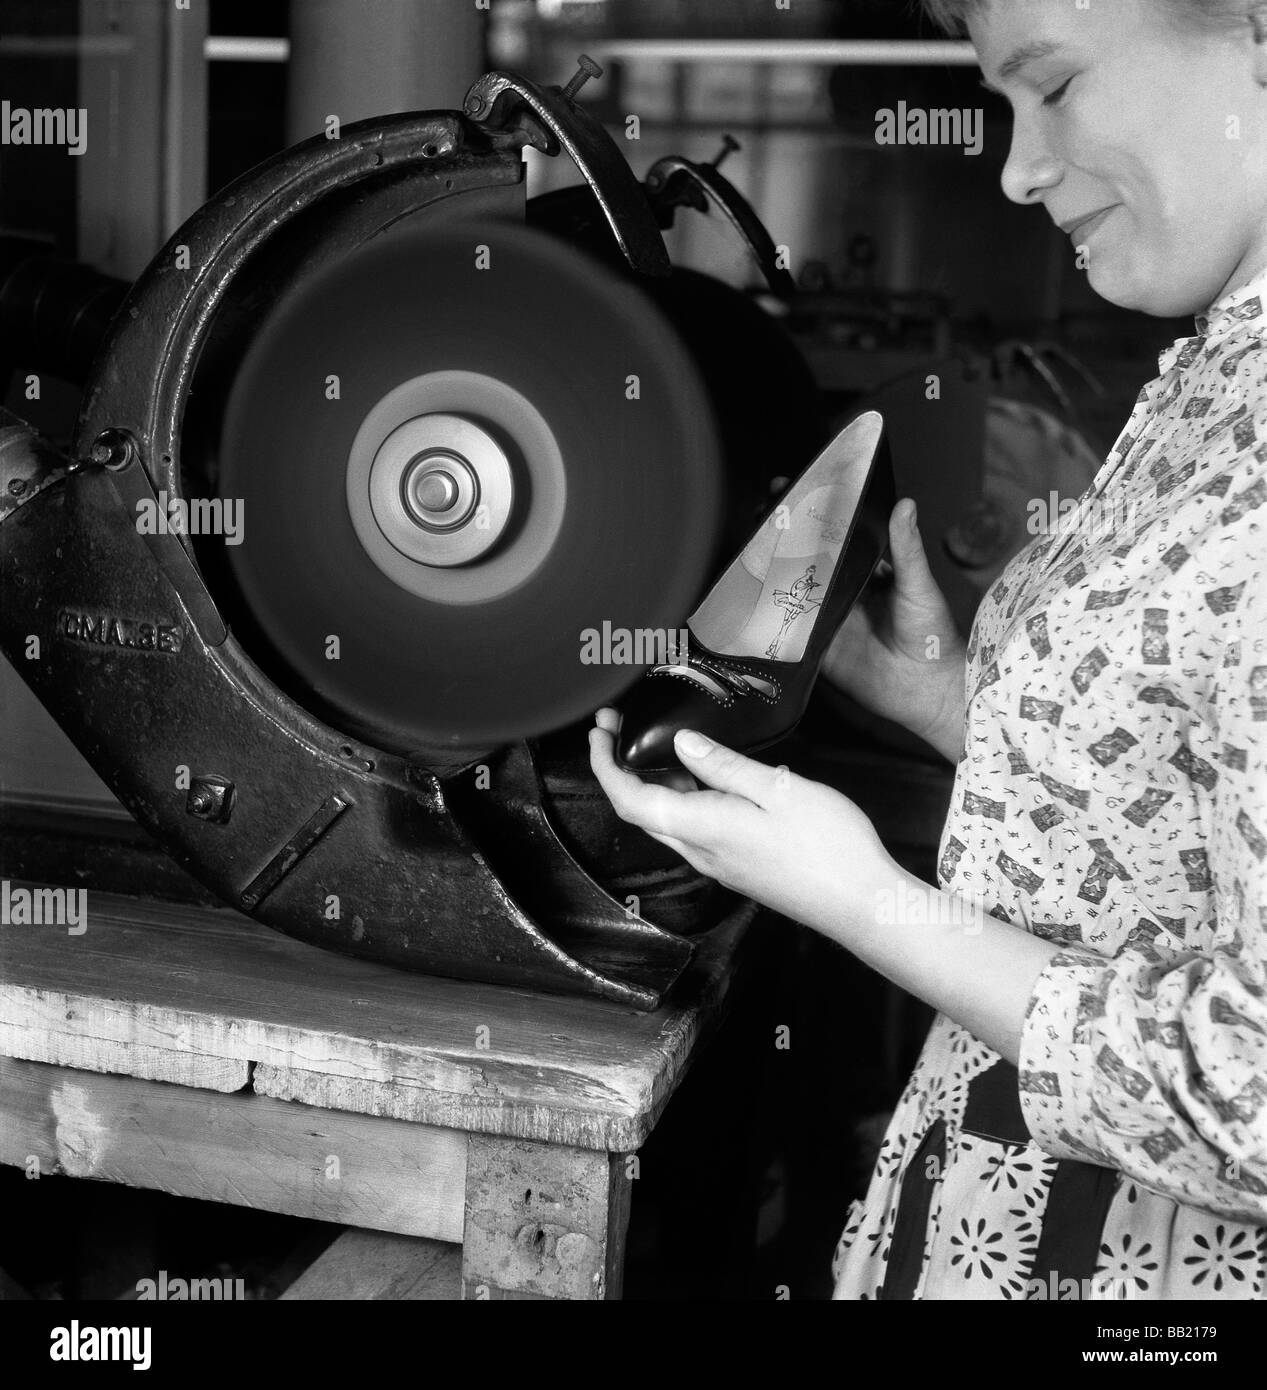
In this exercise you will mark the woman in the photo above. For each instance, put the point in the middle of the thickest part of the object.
(1089, 1114)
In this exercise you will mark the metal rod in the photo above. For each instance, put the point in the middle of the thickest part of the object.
(43, 46)
(832, 52)
(226, 48)
(844, 52)
(220, 48)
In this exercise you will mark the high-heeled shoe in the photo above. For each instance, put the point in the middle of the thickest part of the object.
(755, 644)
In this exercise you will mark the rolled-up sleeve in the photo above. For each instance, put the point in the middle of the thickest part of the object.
(1154, 1062)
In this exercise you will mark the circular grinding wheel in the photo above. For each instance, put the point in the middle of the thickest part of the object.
(457, 450)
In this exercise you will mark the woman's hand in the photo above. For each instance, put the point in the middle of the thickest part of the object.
(796, 846)
(810, 853)
(899, 653)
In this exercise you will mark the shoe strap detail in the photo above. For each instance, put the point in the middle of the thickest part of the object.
(731, 673)
(723, 694)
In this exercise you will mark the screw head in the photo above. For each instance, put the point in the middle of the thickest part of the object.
(728, 145)
(586, 68)
(112, 449)
(210, 798)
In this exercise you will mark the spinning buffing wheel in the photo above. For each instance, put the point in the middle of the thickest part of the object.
(457, 451)
(459, 444)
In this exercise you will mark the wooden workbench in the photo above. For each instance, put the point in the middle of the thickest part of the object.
(194, 1051)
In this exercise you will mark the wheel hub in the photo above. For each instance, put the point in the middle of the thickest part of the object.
(450, 468)
(440, 490)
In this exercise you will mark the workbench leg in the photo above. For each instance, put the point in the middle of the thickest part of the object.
(543, 1220)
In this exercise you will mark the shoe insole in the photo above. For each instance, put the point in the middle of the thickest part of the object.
(795, 584)
(771, 614)
(767, 602)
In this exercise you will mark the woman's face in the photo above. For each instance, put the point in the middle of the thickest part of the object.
(1121, 113)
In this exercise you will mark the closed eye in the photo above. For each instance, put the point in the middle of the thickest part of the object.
(1054, 98)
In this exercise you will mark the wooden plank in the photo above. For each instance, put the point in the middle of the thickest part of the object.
(152, 987)
(34, 1027)
(243, 1149)
(551, 1122)
(368, 1265)
(543, 1221)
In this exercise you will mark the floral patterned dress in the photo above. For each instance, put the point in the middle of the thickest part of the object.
(1112, 799)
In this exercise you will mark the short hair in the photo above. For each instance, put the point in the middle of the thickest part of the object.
(952, 16)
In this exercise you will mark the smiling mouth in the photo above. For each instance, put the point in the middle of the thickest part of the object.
(1088, 223)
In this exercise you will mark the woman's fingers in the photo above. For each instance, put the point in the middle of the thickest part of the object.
(691, 823)
(725, 770)
(640, 803)
(912, 574)
(906, 549)
(609, 721)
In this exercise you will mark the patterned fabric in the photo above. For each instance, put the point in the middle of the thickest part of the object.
(1112, 798)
